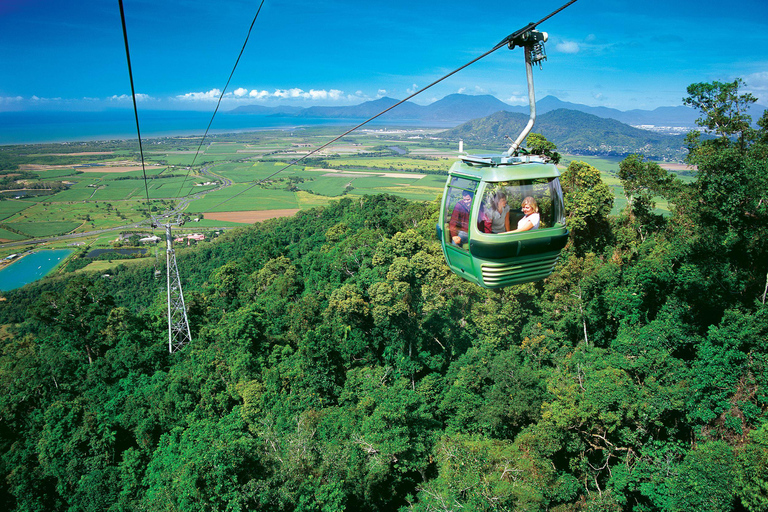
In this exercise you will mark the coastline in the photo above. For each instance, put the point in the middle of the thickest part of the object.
(39, 127)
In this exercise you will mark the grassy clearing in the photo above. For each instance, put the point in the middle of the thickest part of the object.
(105, 266)
(326, 185)
(249, 198)
(10, 235)
(9, 208)
(394, 163)
(44, 229)
(245, 172)
(307, 200)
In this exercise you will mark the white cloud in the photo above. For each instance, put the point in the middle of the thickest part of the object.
(213, 94)
(461, 90)
(517, 99)
(126, 97)
(333, 94)
(412, 89)
(10, 99)
(568, 47)
(757, 84)
(292, 93)
(381, 93)
(259, 95)
(297, 93)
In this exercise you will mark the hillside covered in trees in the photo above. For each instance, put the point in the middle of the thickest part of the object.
(573, 132)
(337, 364)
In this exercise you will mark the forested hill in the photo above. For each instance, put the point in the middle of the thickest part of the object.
(573, 132)
(337, 364)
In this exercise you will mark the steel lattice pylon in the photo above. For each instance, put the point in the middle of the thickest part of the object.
(178, 324)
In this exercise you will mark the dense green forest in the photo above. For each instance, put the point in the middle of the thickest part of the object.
(337, 364)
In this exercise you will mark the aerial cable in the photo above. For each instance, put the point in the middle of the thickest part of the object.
(514, 39)
(222, 93)
(135, 109)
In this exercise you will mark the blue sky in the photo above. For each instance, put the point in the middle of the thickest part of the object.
(622, 54)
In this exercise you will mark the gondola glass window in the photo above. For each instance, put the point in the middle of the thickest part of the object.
(458, 211)
(506, 198)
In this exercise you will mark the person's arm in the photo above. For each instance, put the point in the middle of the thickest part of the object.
(507, 226)
(527, 225)
(454, 220)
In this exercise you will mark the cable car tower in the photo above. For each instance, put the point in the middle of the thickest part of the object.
(178, 323)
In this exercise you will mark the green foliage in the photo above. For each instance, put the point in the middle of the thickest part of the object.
(705, 479)
(539, 145)
(752, 471)
(588, 201)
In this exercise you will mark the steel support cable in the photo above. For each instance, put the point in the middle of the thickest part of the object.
(135, 109)
(510, 41)
(222, 94)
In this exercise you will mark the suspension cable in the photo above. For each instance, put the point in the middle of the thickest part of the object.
(222, 94)
(135, 109)
(510, 41)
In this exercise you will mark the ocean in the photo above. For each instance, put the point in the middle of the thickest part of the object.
(41, 127)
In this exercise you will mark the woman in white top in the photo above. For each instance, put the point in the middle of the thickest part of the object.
(531, 219)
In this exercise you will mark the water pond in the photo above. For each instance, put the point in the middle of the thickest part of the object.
(31, 267)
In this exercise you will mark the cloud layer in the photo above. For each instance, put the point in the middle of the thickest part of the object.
(295, 93)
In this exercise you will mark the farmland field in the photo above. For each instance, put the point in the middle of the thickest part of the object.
(103, 186)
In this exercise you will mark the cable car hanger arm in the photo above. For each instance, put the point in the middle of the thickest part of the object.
(518, 38)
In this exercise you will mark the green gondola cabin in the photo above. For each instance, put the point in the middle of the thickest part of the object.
(497, 259)
(502, 220)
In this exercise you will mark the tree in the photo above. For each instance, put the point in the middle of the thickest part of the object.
(705, 481)
(588, 201)
(539, 145)
(724, 110)
(77, 314)
(729, 199)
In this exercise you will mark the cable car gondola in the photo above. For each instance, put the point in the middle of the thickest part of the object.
(510, 247)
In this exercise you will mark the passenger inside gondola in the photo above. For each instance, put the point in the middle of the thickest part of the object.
(531, 216)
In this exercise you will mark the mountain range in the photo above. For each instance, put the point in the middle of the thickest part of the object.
(458, 108)
(487, 121)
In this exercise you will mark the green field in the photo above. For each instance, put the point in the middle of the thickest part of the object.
(107, 200)
(394, 163)
(11, 207)
(43, 229)
(246, 198)
(10, 235)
